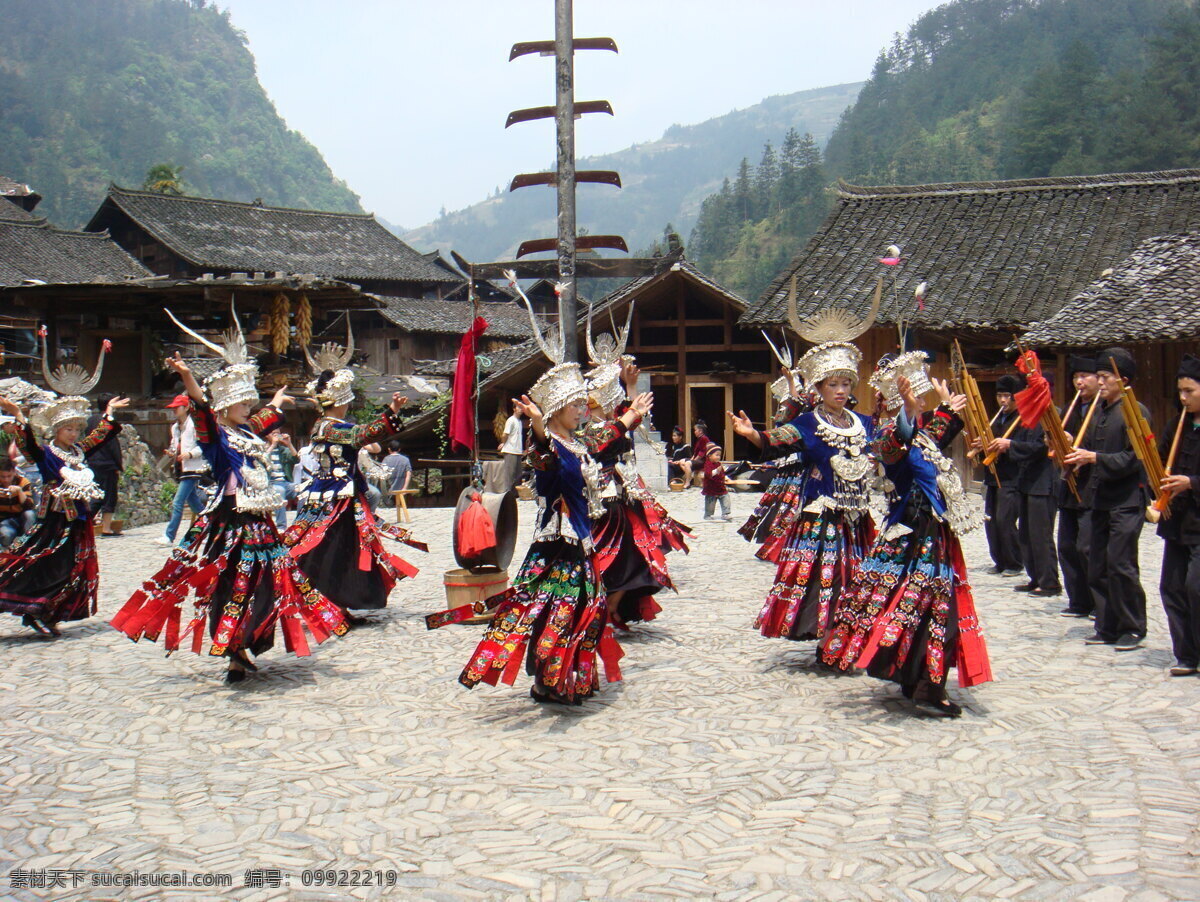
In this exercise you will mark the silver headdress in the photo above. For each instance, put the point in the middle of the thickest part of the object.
(563, 383)
(332, 356)
(236, 382)
(831, 330)
(607, 355)
(913, 365)
(72, 382)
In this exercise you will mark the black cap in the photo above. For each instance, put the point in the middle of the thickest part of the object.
(1080, 364)
(1010, 383)
(1126, 365)
(1189, 367)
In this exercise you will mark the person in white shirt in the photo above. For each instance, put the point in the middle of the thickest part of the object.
(512, 451)
(189, 464)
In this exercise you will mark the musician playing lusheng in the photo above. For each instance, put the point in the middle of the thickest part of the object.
(1179, 583)
(1116, 496)
(1074, 523)
(1002, 503)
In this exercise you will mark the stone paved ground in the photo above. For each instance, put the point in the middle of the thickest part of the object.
(723, 767)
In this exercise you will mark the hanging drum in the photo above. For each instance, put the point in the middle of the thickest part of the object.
(485, 529)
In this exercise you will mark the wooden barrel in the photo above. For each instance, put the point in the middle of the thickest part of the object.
(466, 587)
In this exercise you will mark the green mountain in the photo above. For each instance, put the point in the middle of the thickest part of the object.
(664, 180)
(979, 90)
(102, 90)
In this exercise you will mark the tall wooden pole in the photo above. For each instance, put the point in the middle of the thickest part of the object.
(564, 71)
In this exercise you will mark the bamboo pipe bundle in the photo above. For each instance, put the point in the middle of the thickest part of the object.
(1163, 501)
(1059, 446)
(979, 427)
(1012, 427)
(1142, 439)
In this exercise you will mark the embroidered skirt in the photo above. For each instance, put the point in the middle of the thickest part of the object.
(553, 619)
(909, 613)
(632, 541)
(338, 544)
(816, 562)
(51, 573)
(776, 513)
(241, 580)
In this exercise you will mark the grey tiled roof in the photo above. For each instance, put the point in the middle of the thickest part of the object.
(1151, 295)
(505, 320)
(227, 235)
(10, 212)
(996, 255)
(35, 250)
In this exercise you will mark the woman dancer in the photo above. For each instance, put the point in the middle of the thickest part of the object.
(245, 582)
(909, 614)
(556, 606)
(635, 533)
(834, 529)
(779, 505)
(51, 574)
(336, 538)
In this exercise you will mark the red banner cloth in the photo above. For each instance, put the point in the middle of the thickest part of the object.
(1033, 400)
(462, 400)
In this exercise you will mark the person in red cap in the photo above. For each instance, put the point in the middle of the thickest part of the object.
(189, 466)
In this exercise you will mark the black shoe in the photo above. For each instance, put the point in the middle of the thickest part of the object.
(1046, 593)
(1068, 612)
(34, 625)
(1128, 642)
(1181, 669)
(1025, 587)
(234, 676)
(942, 708)
(995, 571)
(1097, 639)
(1013, 573)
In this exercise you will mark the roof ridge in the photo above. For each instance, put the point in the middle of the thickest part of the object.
(1163, 177)
(114, 188)
(44, 224)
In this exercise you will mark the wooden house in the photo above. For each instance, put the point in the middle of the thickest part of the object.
(1148, 303)
(187, 237)
(997, 257)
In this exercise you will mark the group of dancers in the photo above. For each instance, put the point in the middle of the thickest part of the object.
(862, 521)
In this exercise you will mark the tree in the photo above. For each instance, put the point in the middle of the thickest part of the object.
(766, 183)
(164, 178)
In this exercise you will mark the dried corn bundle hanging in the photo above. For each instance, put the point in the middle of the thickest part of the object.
(304, 322)
(278, 324)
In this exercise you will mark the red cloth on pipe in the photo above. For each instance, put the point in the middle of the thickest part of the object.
(1033, 400)
(462, 400)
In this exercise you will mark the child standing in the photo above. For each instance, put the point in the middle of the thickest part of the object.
(714, 489)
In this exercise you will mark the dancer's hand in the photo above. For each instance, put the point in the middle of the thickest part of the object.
(629, 376)
(643, 404)
(114, 405)
(912, 404)
(282, 397)
(526, 408)
(940, 386)
(958, 403)
(12, 409)
(177, 364)
(398, 401)
(743, 427)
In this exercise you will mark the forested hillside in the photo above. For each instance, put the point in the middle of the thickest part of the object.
(93, 91)
(664, 180)
(986, 89)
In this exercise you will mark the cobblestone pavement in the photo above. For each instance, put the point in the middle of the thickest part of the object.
(725, 766)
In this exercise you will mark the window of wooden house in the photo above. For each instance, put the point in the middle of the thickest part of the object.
(393, 344)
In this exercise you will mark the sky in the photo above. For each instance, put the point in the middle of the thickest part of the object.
(407, 101)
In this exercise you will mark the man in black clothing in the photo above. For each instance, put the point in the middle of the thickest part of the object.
(1074, 524)
(1037, 488)
(106, 465)
(1001, 504)
(1179, 584)
(1116, 497)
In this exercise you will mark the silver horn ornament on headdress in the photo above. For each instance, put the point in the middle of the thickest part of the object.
(831, 323)
(552, 346)
(71, 379)
(331, 355)
(234, 350)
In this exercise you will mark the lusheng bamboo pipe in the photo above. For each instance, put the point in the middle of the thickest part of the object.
(1012, 427)
(1071, 407)
(1087, 421)
(1163, 501)
(1143, 443)
(979, 427)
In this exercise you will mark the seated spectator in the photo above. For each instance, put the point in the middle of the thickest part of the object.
(17, 504)
(679, 456)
